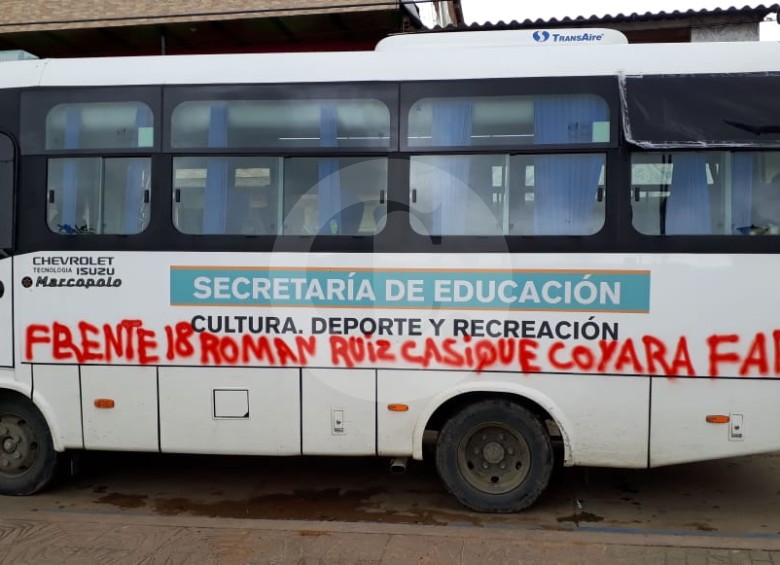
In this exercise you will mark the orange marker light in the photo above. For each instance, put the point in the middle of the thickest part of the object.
(717, 419)
(104, 403)
(398, 407)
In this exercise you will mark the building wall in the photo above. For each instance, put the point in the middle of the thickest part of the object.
(729, 32)
(37, 15)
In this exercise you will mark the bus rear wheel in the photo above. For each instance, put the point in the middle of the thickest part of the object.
(27, 457)
(495, 456)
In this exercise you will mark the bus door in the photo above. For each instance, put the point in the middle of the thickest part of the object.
(6, 243)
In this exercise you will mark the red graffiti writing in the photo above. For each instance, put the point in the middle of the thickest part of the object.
(646, 356)
(219, 350)
(130, 341)
(351, 351)
(728, 351)
(234, 350)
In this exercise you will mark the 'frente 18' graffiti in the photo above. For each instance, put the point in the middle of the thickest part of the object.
(130, 341)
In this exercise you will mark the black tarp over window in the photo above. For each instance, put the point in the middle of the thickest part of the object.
(667, 111)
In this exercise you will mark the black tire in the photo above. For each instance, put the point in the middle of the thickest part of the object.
(495, 456)
(27, 457)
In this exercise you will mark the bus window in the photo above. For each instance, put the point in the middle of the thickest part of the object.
(275, 195)
(226, 195)
(555, 194)
(104, 125)
(6, 192)
(508, 121)
(706, 193)
(507, 192)
(281, 123)
(320, 195)
(329, 196)
(96, 195)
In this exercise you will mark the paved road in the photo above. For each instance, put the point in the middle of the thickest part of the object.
(78, 539)
(103, 539)
(154, 508)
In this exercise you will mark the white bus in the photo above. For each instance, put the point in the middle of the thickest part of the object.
(483, 241)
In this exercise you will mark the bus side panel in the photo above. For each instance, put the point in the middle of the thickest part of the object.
(591, 420)
(339, 412)
(6, 314)
(239, 411)
(56, 392)
(681, 434)
(417, 389)
(131, 424)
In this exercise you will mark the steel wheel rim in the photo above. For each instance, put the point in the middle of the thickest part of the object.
(18, 446)
(494, 458)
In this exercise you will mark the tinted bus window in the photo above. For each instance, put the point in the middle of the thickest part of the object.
(102, 125)
(96, 195)
(706, 193)
(279, 195)
(480, 121)
(498, 194)
(281, 123)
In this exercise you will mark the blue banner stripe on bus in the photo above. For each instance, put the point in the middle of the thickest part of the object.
(587, 291)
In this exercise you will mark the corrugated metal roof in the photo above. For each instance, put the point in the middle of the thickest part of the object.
(756, 13)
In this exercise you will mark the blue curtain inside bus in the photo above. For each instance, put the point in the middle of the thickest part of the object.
(215, 199)
(565, 185)
(741, 193)
(451, 126)
(329, 204)
(688, 205)
(137, 173)
(70, 172)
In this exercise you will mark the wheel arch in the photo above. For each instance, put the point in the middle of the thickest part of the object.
(445, 405)
(14, 391)
(30, 459)
(15, 388)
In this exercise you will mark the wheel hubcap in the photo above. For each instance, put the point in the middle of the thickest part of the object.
(494, 458)
(493, 452)
(18, 448)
